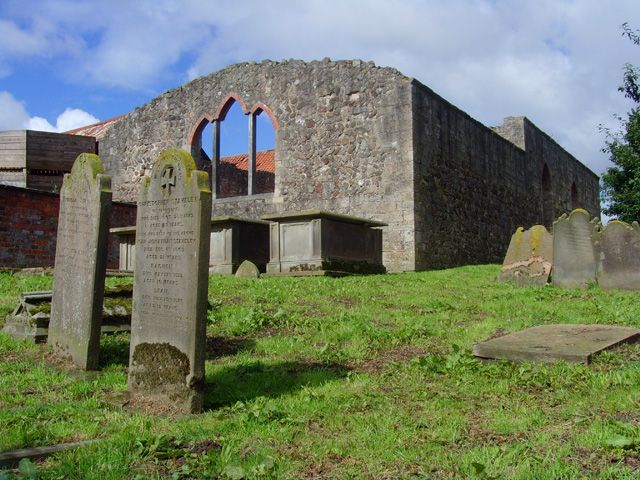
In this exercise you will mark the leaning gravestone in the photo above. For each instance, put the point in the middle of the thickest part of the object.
(529, 257)
(80, 264)
(168, 323)
(574, 251)
(620, 256)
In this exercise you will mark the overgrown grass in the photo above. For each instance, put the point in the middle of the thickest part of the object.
(356, 377)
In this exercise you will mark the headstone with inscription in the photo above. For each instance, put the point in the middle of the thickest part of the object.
(620, 256)
(80, 264)
(529, 257)
(574, 251)
(168, 324)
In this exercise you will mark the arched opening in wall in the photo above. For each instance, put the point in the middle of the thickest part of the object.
(547, 198)
(231, 177)
(265, 152)
(202, 145)
(574, 197)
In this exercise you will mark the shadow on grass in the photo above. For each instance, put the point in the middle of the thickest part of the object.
(218, 347)
(114, 349)
(229, 385)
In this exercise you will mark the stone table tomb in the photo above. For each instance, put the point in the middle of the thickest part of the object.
(315, 242)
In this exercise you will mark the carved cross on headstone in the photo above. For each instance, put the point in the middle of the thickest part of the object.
(168, 180)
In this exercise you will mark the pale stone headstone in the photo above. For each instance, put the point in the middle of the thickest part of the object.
(619, 256)
(81, 260)
(574, 251)
(168, 324)
(529, 257)
(248, 269)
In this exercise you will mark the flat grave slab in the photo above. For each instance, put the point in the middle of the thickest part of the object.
(573, 343)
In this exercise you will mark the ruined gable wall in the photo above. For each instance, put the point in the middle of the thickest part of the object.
(343, 143)
(471, 185)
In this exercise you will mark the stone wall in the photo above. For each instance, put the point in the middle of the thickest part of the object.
(343, 141)
(474, 185)
(352, 138)
(29, 223)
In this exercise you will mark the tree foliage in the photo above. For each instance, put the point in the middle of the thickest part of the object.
(621, 183)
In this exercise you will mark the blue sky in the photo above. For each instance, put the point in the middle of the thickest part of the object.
(67, 63)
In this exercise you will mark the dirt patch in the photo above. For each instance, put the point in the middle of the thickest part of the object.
(403, 353)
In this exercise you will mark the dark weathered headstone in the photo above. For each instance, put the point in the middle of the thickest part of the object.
(248, 269)
(619, 246)
(81, 261)
(529, 257)
(574, 252)
(548, 343)
(168, 324)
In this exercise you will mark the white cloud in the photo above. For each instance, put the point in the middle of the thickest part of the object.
(14, 116)
(556, 61)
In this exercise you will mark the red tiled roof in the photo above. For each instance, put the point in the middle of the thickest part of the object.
(265, 161)
(97, 130)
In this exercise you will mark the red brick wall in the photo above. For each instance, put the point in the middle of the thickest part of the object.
(28, 226)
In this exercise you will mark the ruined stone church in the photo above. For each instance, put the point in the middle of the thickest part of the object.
(356, 139)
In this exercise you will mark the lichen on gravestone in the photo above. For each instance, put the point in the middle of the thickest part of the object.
(170, 284)
(80, 263)
(575, 252)
(619, 247)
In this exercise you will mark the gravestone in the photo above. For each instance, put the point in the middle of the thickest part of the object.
(248, 269)
(548, 343)
(168, 323)
(529, 257)
(81, 261)
(574, 252)
(619, 256)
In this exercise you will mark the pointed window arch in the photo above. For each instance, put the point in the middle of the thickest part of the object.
(575, 202)
(238, 147)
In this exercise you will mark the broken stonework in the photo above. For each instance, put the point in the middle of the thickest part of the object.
(80, 265)
(619, 246)
(168, 324)
(529, 257)
(574, 251)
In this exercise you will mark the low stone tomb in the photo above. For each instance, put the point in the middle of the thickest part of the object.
(529, 257)
(575, 259)
(619, 246)
(234, 240)
(548, 343)
(81, 262)
(314, 242)
(168, 323)
(30, 319)
(127, 242)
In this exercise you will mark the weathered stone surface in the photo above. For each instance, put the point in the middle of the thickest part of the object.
(529, 257)
(574, 252)
(548, 343)
(81, 261)
(324, 242)
(619, 246)
(234, 240)
(248, 269)
(366, 141)
(166, 364)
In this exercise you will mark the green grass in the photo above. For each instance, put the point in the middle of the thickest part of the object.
(356, 377)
